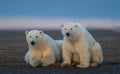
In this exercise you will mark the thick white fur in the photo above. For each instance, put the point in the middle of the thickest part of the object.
(80, 47)
(44, 52)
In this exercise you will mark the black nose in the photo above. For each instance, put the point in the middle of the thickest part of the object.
(68, 34)
(33, 43)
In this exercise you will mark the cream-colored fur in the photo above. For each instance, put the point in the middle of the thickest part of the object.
(59, 44)
(80, 46)
(43, 50)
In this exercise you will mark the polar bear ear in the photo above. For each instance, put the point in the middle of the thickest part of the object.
(26, 32)
(76, 26)
(62, 25)
(41, 32)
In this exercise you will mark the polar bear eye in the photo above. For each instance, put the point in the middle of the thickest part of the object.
(30, 36)
(71, 29)
(36, 36)
(65, 28)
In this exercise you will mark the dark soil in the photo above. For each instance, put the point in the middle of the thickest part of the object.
(13, 47)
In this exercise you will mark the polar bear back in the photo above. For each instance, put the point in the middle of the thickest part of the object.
(86, 34)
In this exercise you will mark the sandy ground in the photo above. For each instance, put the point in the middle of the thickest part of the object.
(13, 47)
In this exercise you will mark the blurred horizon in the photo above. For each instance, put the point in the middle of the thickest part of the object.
(46, 14)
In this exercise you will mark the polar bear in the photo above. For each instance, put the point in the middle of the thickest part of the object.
(80, 47)
(42, 49)
(59, 44)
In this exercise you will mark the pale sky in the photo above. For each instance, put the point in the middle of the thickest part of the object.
(28, 14)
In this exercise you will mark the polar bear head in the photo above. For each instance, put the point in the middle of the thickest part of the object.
(70, 30)
(33, 37)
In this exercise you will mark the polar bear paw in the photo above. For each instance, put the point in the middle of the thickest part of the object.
(65, 65)
(82, 66)
(94, 64)
(35, 64)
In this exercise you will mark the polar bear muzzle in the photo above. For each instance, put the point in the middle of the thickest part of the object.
(33, 43)
(68, 34)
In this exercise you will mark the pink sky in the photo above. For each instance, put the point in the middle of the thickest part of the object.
(55, 23)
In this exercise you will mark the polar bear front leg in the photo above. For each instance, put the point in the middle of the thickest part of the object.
(27, 57)
(84, 58)
(67, 56)
(48, 58)
(34, 62)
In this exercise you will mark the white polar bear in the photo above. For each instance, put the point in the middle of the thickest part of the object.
(79, 46)
(42, 49)
(59, 44)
